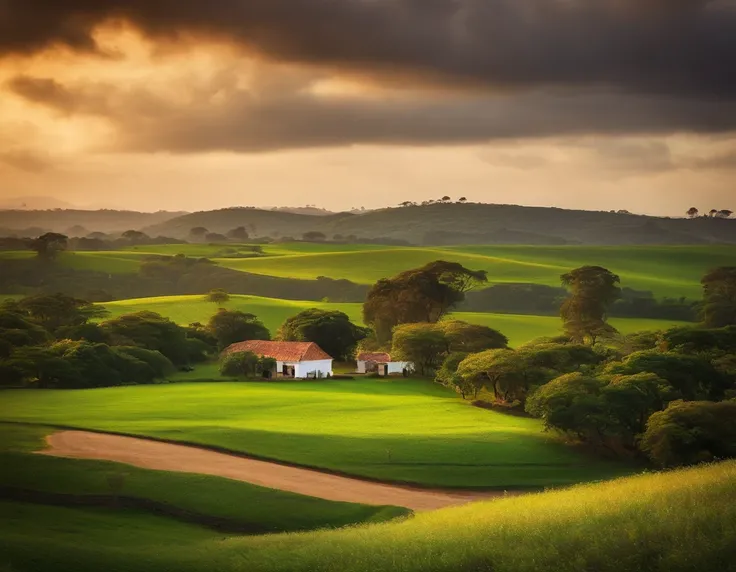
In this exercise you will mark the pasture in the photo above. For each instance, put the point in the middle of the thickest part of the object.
(673, 271)
(274, 311)
(681, 521)
(401, 430)
(209, 501)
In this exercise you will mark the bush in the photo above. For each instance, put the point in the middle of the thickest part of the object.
(691, 432)
(247, 364)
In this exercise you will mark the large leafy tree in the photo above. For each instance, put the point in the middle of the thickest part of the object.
(151, 331)
(56, 311)
(593, 290)
(719, 297)
(691, 432)
(49, 245)
(504, 372)
(331, 330)
(424, 345)
(232, 326)
(423, 294)
(464, 337)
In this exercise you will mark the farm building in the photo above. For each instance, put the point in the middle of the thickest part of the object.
(381, 363)
(299, 360)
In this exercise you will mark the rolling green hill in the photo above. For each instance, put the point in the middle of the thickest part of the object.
(666, 271)
(274, 311)
(403, 430)
(682, 521)
(673, 271)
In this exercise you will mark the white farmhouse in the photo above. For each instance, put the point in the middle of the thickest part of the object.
(381, 363)
(301, 360)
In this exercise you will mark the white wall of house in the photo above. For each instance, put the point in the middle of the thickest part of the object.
(399, 366)
(305, 368)
(361, 367)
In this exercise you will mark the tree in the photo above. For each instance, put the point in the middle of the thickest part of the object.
(58, 310)
(49, 245)
(445, 199)
(691, 432)
(239, 364)
(592, 292)
(725, 213)
(238, 234)
(424, 345)
(314, 236)
(198, 233)
(423, 294)
(217, 296)
(713, 213)
(215, 237)
(693, 212)
(135, 235)
(632, 399)
(719, 297)
(462, 200)
(470, 338)
(151, 331)
(572, 404)
(693, 376)
(502, 371)
(331, 330)
(232, 326)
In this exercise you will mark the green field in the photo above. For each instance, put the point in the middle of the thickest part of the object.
(664, 270)
(683, 521)
(400, 430)
(274, 311)
(234, 505)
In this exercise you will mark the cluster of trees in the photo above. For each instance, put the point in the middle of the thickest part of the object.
(201, 234)
(693, 212)
(57, 341)
(444, 200)
(667, 394)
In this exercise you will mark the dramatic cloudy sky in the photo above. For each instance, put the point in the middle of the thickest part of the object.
(186, 104)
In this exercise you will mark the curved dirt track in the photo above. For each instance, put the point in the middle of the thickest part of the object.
(186, 459)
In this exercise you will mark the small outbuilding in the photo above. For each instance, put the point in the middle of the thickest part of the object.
(300, 360)
(382, 364)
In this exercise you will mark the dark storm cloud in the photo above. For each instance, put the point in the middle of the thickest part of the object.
(679, 47)
(270, 117)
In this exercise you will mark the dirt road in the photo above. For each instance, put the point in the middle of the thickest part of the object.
(186, 459)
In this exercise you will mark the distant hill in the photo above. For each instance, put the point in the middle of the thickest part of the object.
(33, 222)
(447, 224)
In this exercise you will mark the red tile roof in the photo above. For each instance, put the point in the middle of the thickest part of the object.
(377, 357)
(281, 351)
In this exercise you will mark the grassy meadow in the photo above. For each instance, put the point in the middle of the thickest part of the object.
(274, 311)
(682, 521)
(401, 430)
(673, 271)
(231, 505)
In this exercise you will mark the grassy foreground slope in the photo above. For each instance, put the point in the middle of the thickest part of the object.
(274, 311)
(402, 430)
(211, 501)
(683, 521)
